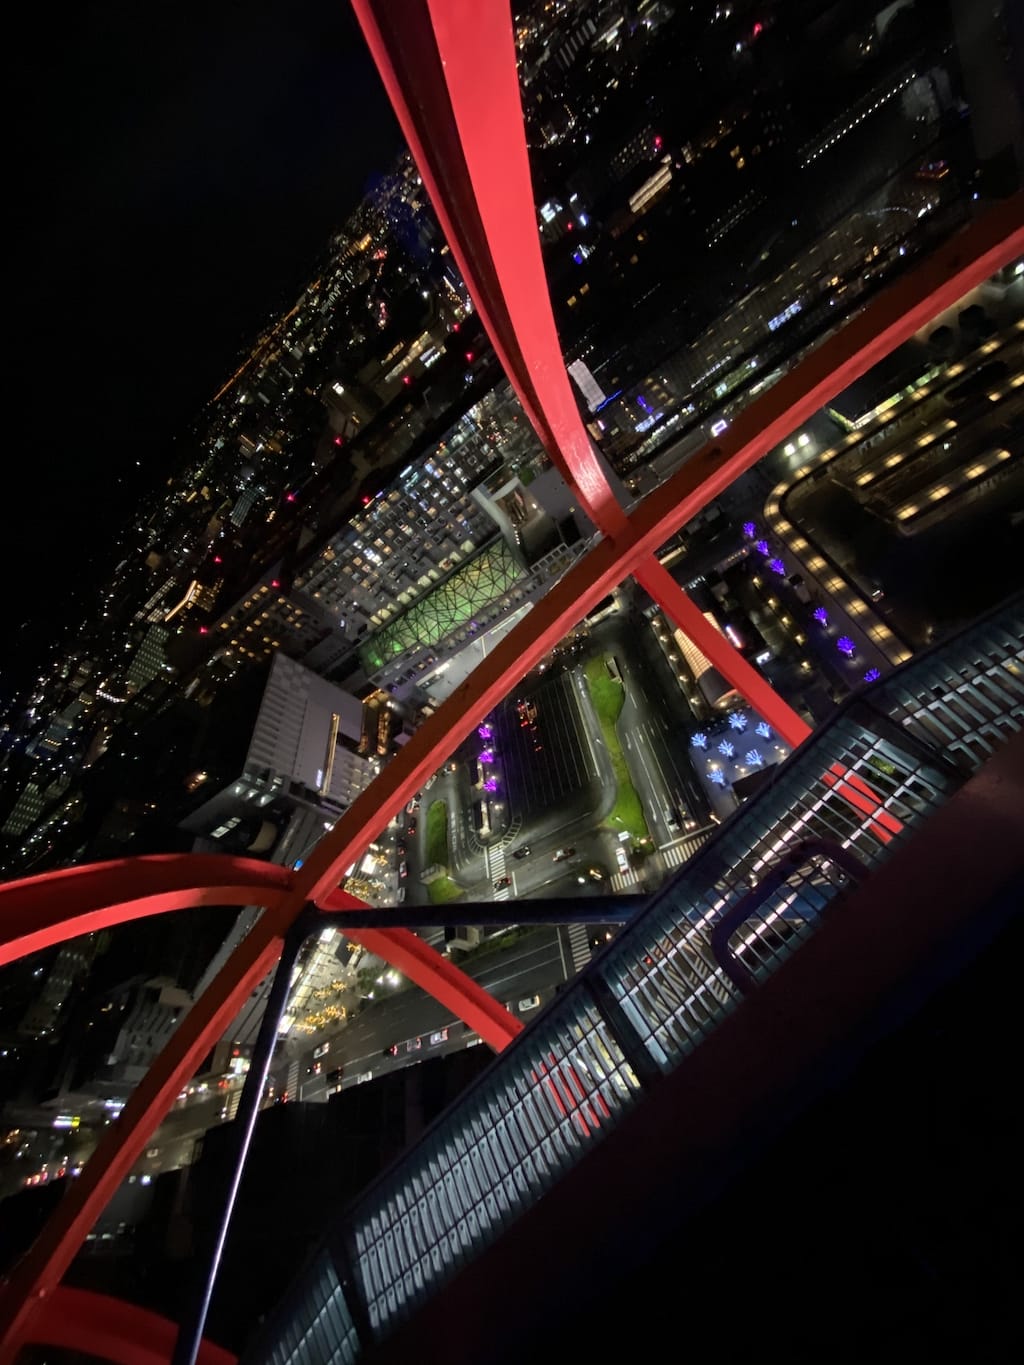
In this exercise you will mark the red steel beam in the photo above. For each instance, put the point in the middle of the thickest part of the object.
(450, 72)
(445, 982)
(38, 912)
(656, 580)
(110, 1329)
(909, 304)
(28, 1289)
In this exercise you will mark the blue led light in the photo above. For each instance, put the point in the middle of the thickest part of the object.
(737, 721)
(872, 675)
(726, 749)
(763, 729)
(699, 740)
(846, 646)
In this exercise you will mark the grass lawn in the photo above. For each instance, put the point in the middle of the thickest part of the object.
(437, 834)
(442, 890)
(608, 697)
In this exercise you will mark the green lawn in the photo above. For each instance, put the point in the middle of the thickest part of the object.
(442, 890)
(437, 834)
(608, 697)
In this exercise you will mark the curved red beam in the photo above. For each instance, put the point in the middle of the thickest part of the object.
(38, 912)
(450, 72)
(29, 1288)
(111, 1329)
(420, 963)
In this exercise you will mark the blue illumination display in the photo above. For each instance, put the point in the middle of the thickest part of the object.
(761, 546)
(699, 740)
(753, 757)
(763, 729)
(846, 646)
(872, 675)
(749, 530)
(717, 776)
(777, 566)
(737, 721)
(726, 749)
(820, 614)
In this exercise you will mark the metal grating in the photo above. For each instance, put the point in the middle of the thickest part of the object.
(489, 1158)
(315, 1326)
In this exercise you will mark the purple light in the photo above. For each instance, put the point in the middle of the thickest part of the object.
(491, 785)
(486, 755)
(820, 614)
(644, 403)
(749, 530)
(872, 675)
(753, 757)
(485, 731)
(716, 775)
(726, 749)
(777, 566)
(699, 740)
(761, 546)
(846, 646)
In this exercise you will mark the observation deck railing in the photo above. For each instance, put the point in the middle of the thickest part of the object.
(748, 900)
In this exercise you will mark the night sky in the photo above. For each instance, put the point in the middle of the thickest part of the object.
(174, 170)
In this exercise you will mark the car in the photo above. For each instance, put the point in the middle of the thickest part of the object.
(412, 807)
(523, 852)
(561, 854)
(530, 1002)
(412, 828)
(400, 850)
(400, 896)
(391, 1051)
(414, 1044)
(403, 869)
(441, 1036)
(502, 882)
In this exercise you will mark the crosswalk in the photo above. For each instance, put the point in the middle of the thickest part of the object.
(292, 1084)
(579, 946)
(622, 881)
(496, 870)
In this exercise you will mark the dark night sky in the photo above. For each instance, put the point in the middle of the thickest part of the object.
(176, 167)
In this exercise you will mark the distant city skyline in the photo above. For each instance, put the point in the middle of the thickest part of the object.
(179, 173)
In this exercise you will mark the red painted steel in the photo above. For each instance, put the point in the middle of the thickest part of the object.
(905, 307)
(110, 1329)
(420, 963)
(438, 79)
(38, 912)
(656, 580)
(28, 1290)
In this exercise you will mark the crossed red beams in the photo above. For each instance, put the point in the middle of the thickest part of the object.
(449, 68)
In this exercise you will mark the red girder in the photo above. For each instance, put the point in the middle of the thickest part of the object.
(422, 964)
(110, 1329)
(38, 912)
(452, 80)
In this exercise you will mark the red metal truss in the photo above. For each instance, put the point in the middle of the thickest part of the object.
(450, 73)
(451, 76)
(38, 912)
(110, 1329)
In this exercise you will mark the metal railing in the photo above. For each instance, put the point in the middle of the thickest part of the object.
(745, 902)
